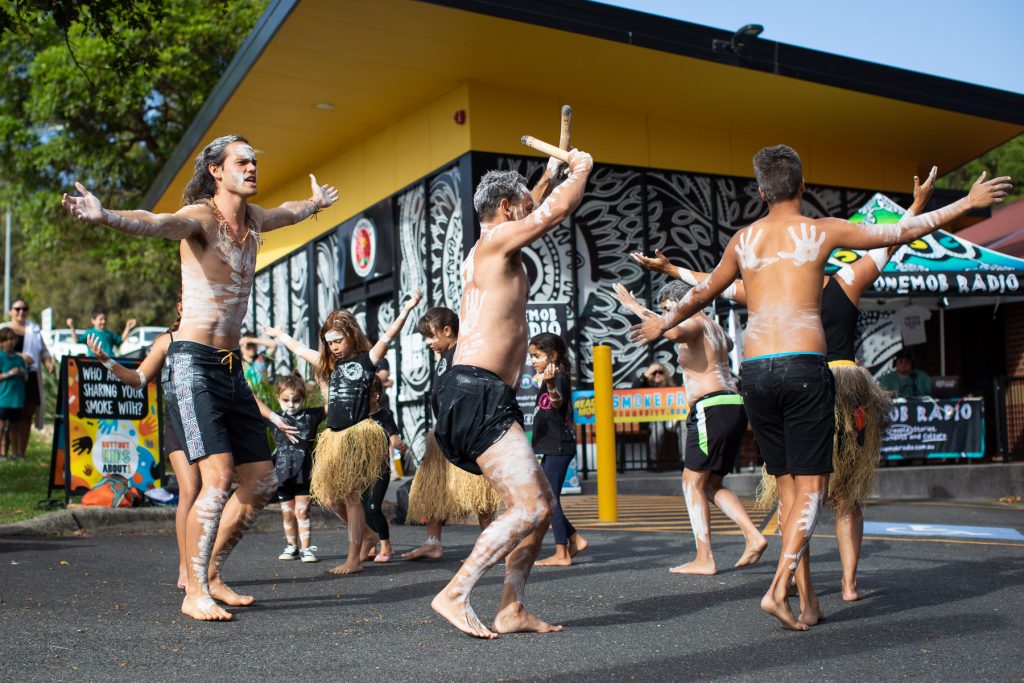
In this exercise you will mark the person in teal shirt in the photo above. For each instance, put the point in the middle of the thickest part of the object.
(904, 381)
(107, 339)
(13, 373)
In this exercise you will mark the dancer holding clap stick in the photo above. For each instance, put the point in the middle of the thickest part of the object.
(349, 452)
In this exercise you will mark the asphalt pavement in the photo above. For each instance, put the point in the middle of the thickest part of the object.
(945, 604)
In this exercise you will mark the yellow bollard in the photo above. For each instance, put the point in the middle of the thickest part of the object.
(607, 487)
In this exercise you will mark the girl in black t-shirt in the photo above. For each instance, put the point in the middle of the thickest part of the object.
(349, 452)
(554, 437)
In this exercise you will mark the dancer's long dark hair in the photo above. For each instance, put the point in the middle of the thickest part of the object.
(553, 345)
(203, 185)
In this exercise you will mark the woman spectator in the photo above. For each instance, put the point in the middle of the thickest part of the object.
(29, 343)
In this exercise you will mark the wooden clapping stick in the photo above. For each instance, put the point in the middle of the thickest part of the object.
(545, 148)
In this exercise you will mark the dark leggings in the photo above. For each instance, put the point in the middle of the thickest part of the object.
(373, 500)
(555, 467)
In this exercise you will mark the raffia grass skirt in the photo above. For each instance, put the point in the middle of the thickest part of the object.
(430, 498)
(347, 461)
(855, 452)
(473, 492)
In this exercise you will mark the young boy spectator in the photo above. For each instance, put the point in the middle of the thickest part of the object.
(107, 339)
(13, 373)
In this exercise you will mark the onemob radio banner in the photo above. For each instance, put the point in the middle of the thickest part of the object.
(109, 427)
(667, 404)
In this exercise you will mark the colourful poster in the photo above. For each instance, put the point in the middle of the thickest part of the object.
(634, 405)
(111, 428)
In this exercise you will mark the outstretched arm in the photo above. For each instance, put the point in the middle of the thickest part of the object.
(173, 226)
(291, 213)
(74, 333)
(660, 264)
(265, 342)
(147, 369)
(563, 200)
(857, 236)
(677, 334)
(697, 298)
(294, 345)
(380, 349)
(858, 277)
(290, 432)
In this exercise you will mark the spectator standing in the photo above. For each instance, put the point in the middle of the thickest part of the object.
(13, 375)
(30, 346)
(106, 339)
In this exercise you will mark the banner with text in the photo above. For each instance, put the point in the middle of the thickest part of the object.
(108, 427)
(935, 428)
(540, 317)
(667, 404)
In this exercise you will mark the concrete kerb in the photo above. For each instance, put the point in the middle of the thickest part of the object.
(78, 519)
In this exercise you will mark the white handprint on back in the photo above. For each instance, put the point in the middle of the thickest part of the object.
(806, 246)
(745, 250)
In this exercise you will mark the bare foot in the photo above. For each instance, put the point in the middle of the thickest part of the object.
(696, 567)
(349, 567)
(182, 578)
(577, 544)
(853, 594)
(383, 557)
(752, 553)
(203, 608)
(427, 551)
(368, 550)
(221, 592)
(515, 619)
(555, 561)
(782, 612)
(460, 614)
(811, 615)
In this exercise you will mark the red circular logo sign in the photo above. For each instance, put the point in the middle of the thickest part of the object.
(364, 247)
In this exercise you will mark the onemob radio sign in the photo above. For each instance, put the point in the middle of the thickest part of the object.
(363, 247)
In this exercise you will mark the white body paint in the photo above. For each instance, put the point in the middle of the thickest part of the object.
(809, 514)
(696, 513)
(806, 246)
(208, 511)
(746, 251)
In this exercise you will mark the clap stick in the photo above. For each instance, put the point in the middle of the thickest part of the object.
(566, 131)
(545, 148)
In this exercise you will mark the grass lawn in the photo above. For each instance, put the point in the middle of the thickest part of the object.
(23, 483)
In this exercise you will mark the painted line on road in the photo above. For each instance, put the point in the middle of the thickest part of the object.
(996, 533)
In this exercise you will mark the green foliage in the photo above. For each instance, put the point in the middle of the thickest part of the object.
(23, 483)
(101, 91)
(1007, 159)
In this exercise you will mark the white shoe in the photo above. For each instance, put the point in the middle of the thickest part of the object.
(290, 552)
(308, 556)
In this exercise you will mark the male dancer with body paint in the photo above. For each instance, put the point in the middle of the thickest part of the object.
(788, 390)
(714, 428)
(210, 405)
(479, 425)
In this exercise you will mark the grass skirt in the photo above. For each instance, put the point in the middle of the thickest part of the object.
(473, 492)
(855, 451)
(430, 498)
(348, 461)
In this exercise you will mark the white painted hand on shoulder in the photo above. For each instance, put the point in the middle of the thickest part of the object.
(746, 251)
(805, 247)
(323, 195)
(85, 208)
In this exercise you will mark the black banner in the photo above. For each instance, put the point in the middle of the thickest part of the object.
(103, 396)
(935, 428)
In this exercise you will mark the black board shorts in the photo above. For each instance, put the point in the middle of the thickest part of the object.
(790, 401)
(714, 431)
(210, 405)
(474, 409)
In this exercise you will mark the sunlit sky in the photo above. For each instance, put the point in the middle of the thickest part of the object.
(977, 41)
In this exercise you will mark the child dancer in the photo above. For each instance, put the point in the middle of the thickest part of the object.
(373, 497)
(293, 460)
(348, 453)
(13, 373)
(554, 438)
